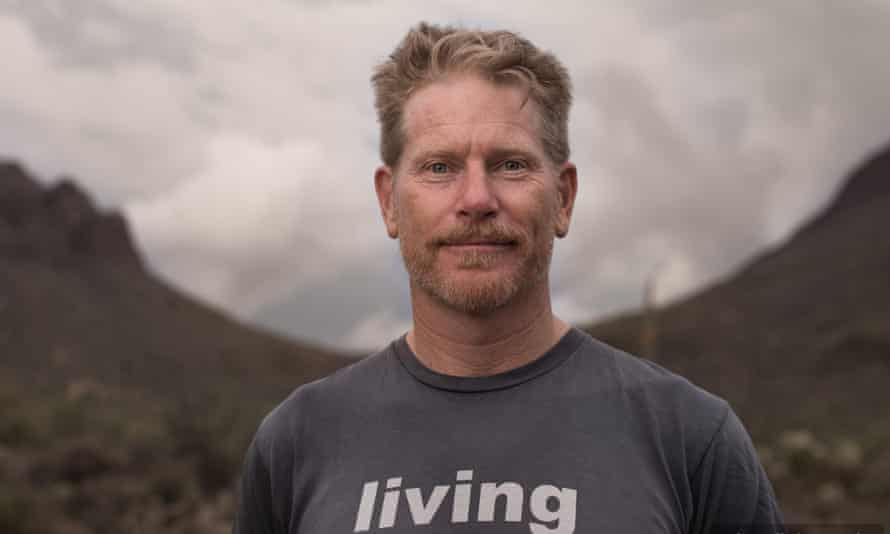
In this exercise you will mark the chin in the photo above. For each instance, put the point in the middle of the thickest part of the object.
(476, 307)
(482, 293)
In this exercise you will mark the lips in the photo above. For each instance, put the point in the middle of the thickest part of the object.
(479, 244)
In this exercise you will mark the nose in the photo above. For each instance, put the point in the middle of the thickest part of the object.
(477, 199)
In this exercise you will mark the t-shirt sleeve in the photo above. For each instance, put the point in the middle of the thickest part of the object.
(255, 513)
(731, 492)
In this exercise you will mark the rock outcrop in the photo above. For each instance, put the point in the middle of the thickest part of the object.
(58, 223)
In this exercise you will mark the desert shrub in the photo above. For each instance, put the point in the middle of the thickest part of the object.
(16, 431)
(202, 429)
(19, 423)
(69, 418)
(16, 512)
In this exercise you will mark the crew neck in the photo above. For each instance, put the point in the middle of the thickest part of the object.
(555, 355)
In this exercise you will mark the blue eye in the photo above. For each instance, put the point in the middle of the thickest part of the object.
(438, 168)
(513, 165)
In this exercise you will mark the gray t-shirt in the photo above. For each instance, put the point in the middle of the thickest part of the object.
(584, 439)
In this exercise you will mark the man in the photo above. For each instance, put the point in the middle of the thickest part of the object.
(492, 415)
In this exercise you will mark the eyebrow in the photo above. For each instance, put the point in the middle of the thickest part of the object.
(494, 154)
(504, 152)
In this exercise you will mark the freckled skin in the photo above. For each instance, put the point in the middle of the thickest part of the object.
(473, 168)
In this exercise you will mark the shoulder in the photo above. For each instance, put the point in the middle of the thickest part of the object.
(645, 379)
(671, 404)
(326, 397)
(703, 442)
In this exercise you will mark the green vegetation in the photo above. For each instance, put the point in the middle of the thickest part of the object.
(90, 459)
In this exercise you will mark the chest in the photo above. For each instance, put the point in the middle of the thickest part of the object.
(560, 469)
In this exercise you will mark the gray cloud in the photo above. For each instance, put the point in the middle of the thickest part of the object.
(241, 141)
(743, 128)
(100, 34)
(362, 307)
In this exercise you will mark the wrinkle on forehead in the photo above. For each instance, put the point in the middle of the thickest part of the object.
(449, 129)
(465, 104)
(494, 135)
(417, 121)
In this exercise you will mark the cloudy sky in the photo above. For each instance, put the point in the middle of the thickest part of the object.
(240, 139)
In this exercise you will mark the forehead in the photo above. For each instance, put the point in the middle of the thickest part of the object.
(459, 106)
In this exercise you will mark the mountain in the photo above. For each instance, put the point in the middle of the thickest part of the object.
(124, 405)
(800, 336)
(77, 302)
(798, 341)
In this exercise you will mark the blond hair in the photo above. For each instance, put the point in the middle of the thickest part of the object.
(429, 53)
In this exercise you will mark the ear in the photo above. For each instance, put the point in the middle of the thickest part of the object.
(384, 184)
(567, 188)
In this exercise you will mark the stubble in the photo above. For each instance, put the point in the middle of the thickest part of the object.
(485, 290)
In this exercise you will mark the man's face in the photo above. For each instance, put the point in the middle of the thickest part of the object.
(475, 201)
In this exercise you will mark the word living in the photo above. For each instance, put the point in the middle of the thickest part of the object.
(513, 494)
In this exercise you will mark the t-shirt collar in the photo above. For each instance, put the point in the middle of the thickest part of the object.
(554, 356)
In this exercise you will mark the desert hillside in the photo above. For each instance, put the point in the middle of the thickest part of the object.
(798, 340)
(119, 396)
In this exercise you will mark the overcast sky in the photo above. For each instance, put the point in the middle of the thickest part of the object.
(240, 138)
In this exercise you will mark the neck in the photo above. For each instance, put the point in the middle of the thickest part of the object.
(455, 343)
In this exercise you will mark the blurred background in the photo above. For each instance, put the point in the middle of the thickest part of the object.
(188, 231)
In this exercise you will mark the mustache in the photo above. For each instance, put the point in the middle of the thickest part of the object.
(492, 233)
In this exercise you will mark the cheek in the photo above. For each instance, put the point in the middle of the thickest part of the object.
(418, 214)
(414, 228)
(541, 216)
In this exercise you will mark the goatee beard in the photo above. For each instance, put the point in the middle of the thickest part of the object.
(486, 292)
